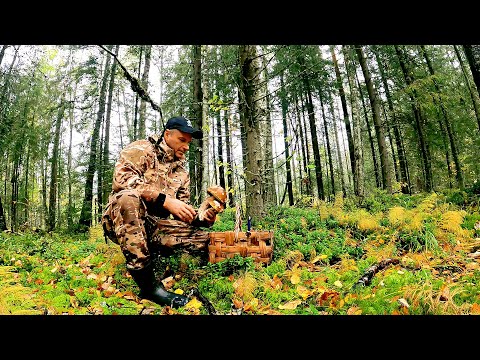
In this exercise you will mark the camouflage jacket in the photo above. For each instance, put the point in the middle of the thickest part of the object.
(151, 169)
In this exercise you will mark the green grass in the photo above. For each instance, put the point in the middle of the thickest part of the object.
(315, 268)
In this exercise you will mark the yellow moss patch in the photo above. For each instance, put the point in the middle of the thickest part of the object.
(380, 252)
(397, 215)
(15, 299)
(244, 286)
(366, 221)
(95, 233)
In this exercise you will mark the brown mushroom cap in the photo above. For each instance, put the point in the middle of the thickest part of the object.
(218, 193)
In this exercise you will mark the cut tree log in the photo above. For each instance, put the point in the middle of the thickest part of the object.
(367, 276)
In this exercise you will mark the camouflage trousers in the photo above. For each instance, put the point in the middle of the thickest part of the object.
(127, 223)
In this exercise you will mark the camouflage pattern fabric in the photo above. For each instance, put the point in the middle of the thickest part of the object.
(142, 172)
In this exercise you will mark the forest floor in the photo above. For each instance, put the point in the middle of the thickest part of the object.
(384, 255)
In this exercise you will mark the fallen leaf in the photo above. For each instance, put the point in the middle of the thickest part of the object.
(319, 257)
(109, 291)
(303, 292)
(472, 266)
(291, 305)
(295, 279)
(178, 291)
(237, 303)
(147, 311)
(338, 283)
(475, 309)
(193, 304)
(73, 302)
(403, 302)
(129, 295)
(354, 310)
(276, 282)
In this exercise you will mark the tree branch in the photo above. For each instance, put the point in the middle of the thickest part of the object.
(135, 85)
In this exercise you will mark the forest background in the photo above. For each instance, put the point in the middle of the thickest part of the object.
(284, 125)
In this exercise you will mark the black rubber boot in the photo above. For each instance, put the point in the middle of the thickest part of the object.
(152, 290)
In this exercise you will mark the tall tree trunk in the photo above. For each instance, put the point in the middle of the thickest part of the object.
(357, 139)
(424, 148)
(142, 118)
(135, 116)
(379, 128)
(159, 128)
(53, 171)
(390, 139)
(327, 139)
(306, 178)
(2, 52)
(448, 126)
(313, 129)
(86, 212)
(3, 222)
(14, 197)
(107, 180)
(252, 115)
(346, 119)
(205, 168)
(337, 146)
(43, 171)
(70, 209)
(230, 169)
(474, 98)
(472, 53)
(405, 183)
(195, 154)
(370, 137)
(270, 194)
(221, 166)
(284, 105)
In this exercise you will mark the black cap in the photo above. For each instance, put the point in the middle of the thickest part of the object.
(184, 125)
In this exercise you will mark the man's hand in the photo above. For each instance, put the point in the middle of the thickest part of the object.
(183, 211)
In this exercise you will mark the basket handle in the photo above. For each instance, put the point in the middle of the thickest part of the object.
(238, 221)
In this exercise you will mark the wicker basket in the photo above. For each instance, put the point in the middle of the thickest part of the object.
(257, 244)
